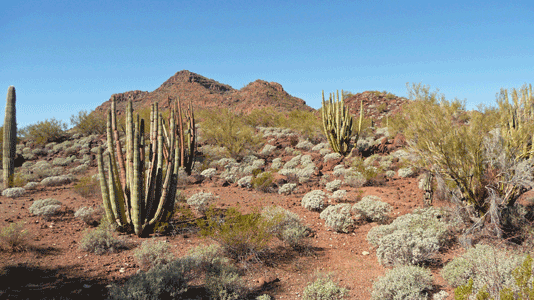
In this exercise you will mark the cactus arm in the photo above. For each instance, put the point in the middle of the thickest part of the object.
(104, 187)
(10, 138)
(118, 146)
(116, 193)
(137, 203)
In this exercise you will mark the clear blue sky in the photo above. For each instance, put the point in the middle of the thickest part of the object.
(65, 56)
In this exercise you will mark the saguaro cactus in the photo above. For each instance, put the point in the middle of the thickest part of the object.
(10, 138)
(337, 123)
(143, 194)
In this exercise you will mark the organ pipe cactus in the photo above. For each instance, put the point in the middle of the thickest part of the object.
(9, 138)
(142, 194)
(337, 123)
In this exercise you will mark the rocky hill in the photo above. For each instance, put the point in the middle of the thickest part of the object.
(208, 93)
(376, 105)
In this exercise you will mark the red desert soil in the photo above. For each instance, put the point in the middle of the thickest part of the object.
(53, 266)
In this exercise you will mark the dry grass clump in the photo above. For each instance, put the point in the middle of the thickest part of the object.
(87, 186)
(14, 237)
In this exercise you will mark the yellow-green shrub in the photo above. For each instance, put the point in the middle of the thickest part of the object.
(89, 123)
(227, 129)
(45, 131)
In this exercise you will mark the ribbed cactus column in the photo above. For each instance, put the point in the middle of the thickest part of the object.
(337, 123)
(10, 138)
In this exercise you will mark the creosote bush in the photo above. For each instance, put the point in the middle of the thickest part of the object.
(262, 182)
(44, 132)
(88, 123)
(227, 129)
(239, 234)
(14, 237)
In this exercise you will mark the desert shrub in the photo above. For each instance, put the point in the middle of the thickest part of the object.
(31, 185)
(339, 195)
(372, 209)
(304, 144)
(60, 161)
(239, 234)
(223, 282)
(56, 180)
(324, 289)
(226, 129)
(167, 281)
(45, 208)
(333, 185)
(314, 200)
(338, 217)
(403, 282)
(13, 192)
(201, 201)
(87, 215)
(486, 266)
(485, 165)
(207, 256)
(410, 239)
(286, 225)
(152, 253)
(263, 182)
(14, 237)
(331, 156)
(264, 297)
(209, 172)
(45, 131)
(306, 123)
(405, 172)
(87, 186)
(287, 188)
(101, 240)
(89, 123)
(245, 182)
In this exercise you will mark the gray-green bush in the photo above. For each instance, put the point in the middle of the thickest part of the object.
(403, 282)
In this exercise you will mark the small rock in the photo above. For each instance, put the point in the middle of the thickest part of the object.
(365, 253)
(122, 270)
(86, 286)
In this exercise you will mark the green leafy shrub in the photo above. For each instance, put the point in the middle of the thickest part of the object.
(403, 282)
(87, 186)
(226, 129)
(239, 234)
(101, 240)
(168, 281)
(89, 123)
(152, 253)
(338, 217)
(14, 237)
(324, 289)
(45, 131)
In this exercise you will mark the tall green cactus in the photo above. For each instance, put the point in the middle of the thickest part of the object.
(337, 123)
(142, 194)
(10, 138)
